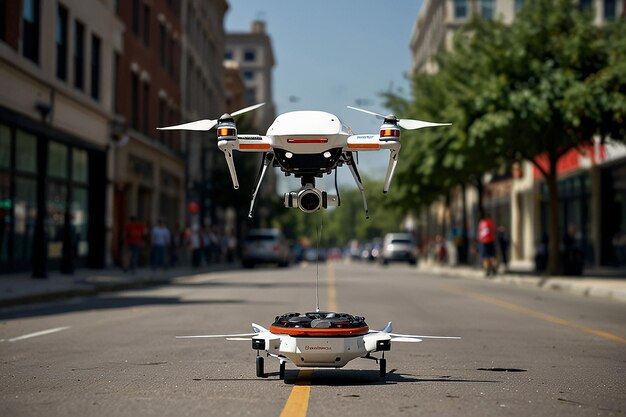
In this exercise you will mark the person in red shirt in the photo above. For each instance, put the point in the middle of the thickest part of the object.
(487, 239)
(134, 236)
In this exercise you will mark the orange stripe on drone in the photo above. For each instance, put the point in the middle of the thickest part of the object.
(254, 146)
(363, 146)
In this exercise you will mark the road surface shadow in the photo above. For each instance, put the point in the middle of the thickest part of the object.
(91, 303)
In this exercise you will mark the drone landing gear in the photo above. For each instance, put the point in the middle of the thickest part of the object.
(383, 367)
(355, 173)
(382, 363)
(268, 158)
(260, 371)
(281, 370)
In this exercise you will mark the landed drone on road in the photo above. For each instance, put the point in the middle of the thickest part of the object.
(320, 340)
(307, 145)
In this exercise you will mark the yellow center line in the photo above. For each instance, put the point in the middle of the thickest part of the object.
(298, 401)
(536, 314)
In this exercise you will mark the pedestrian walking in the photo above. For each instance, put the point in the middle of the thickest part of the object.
(160, 242)
(134, 235)
(487, 239)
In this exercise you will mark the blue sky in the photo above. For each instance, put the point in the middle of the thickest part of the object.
(331, 53)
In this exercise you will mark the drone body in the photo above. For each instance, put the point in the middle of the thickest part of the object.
(307, 145)
(320, 340)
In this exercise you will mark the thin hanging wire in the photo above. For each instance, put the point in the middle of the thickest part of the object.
(317, 265)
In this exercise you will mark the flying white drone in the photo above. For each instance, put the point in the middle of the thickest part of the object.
(307, 144)
(321, 340)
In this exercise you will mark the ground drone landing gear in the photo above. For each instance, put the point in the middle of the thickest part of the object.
(260, 372)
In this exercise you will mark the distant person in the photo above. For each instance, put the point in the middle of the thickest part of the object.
(161, 240)
(487, 239)
(134, 236)
(503, 245)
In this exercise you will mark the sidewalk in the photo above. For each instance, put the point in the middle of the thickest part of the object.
(610, 284)
(21, 288)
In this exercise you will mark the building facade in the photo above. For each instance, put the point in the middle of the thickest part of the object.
(148, 166)
(591, 182)
(253, 51)
(203, 96)
(56, 118)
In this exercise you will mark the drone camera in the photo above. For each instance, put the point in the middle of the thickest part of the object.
(310, 199)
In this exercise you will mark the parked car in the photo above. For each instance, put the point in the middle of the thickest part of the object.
(399, 247)
(265, 246)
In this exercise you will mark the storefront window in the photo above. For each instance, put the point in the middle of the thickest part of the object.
(25, 217)
(26, 152)
(80, 167)
(5, 147)
(57, 160)
(56, 205)
(5, 216)
(80, 220)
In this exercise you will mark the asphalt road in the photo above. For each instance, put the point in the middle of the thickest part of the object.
(523, 351)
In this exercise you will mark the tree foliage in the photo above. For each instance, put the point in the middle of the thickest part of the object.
(539, 87)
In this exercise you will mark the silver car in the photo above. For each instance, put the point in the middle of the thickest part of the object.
(399, 247)
(265, 246)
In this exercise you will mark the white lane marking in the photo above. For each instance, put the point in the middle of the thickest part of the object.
(41, 333)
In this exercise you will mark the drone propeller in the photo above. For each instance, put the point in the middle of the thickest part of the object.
(207, 124)
(408, 124)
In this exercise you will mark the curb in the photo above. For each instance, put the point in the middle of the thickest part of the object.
(568, 285)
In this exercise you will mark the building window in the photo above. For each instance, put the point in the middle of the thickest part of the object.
(487, 9)
(79, 55)
(146, 106)
(30, 30)
(26, 152)
(61, 41)
(460, 9)
(251, 96)
(162, 118)
(586, 5)
(134, 97)
(162, 44)
(95, 67)
(146, 25)
(609, 9)
(249, 55)
(57, 160)
(248, 75)
(135, 18)
(228, 55)
(116, 75)
(3, 20)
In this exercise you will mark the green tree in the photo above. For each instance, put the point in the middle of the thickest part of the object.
(532, 90)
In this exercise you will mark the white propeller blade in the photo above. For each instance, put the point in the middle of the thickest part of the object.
(421, 337)
(203, 125)
(247, 109)
(239, 338)
(410, 124)
(380, 116)
(216, 335)
(405, 339)
(207, 124)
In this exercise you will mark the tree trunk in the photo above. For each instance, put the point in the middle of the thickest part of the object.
(555, 232)
(480, 189)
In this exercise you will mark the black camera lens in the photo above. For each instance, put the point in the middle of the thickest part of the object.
(309, 201)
